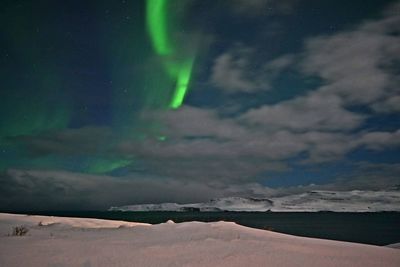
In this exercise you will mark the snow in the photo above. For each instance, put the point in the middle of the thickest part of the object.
(30, 220)
(340, 201)
(313, 201)
(220, 204)
(395, 245)
(84, 242)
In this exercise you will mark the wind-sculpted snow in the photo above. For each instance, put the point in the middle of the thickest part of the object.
(313, 201)
(193, 244)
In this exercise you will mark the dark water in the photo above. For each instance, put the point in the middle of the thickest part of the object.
(369, 228)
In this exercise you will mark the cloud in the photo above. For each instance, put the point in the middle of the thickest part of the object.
(240, 70)
(192, 121)
(388, 105)
(370, 176)
(201, 145)
(85, 140)
(202, 133)
(26, 190)
(204, 147)
(309, 113)
(262, 7)
(357, 65)
(235, 72)
(324, 146)
(280, 63)
(380, 140)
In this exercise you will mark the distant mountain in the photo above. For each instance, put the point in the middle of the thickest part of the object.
(340, 201)
(313, 201)
(219, 204)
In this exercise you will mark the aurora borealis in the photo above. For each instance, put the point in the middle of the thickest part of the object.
(156, 17)
(163, 89)
(178, 69)
(185, 100)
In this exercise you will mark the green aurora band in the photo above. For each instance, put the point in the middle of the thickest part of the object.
(179, 70)
(31, 116)
(182, 84)
(157, 25)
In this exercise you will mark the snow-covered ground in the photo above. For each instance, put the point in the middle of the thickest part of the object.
(395, 245)
(35, 220)
(81, 242)
(339, 201)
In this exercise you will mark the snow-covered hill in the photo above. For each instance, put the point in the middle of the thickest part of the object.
(219, 204)
(338, 201)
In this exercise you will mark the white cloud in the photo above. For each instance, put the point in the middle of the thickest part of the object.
(279, 63)
(355, 65)
(389, 105)
(240, 70)
(262, 7)
(191, 121)
(309, 113)
(379, 140)
(203, 146)
(233, 72)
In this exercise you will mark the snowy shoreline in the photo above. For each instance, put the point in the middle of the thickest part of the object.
(63, 241)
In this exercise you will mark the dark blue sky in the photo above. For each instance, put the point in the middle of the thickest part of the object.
(283, 96)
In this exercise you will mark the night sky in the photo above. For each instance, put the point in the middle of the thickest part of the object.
(121, 102)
